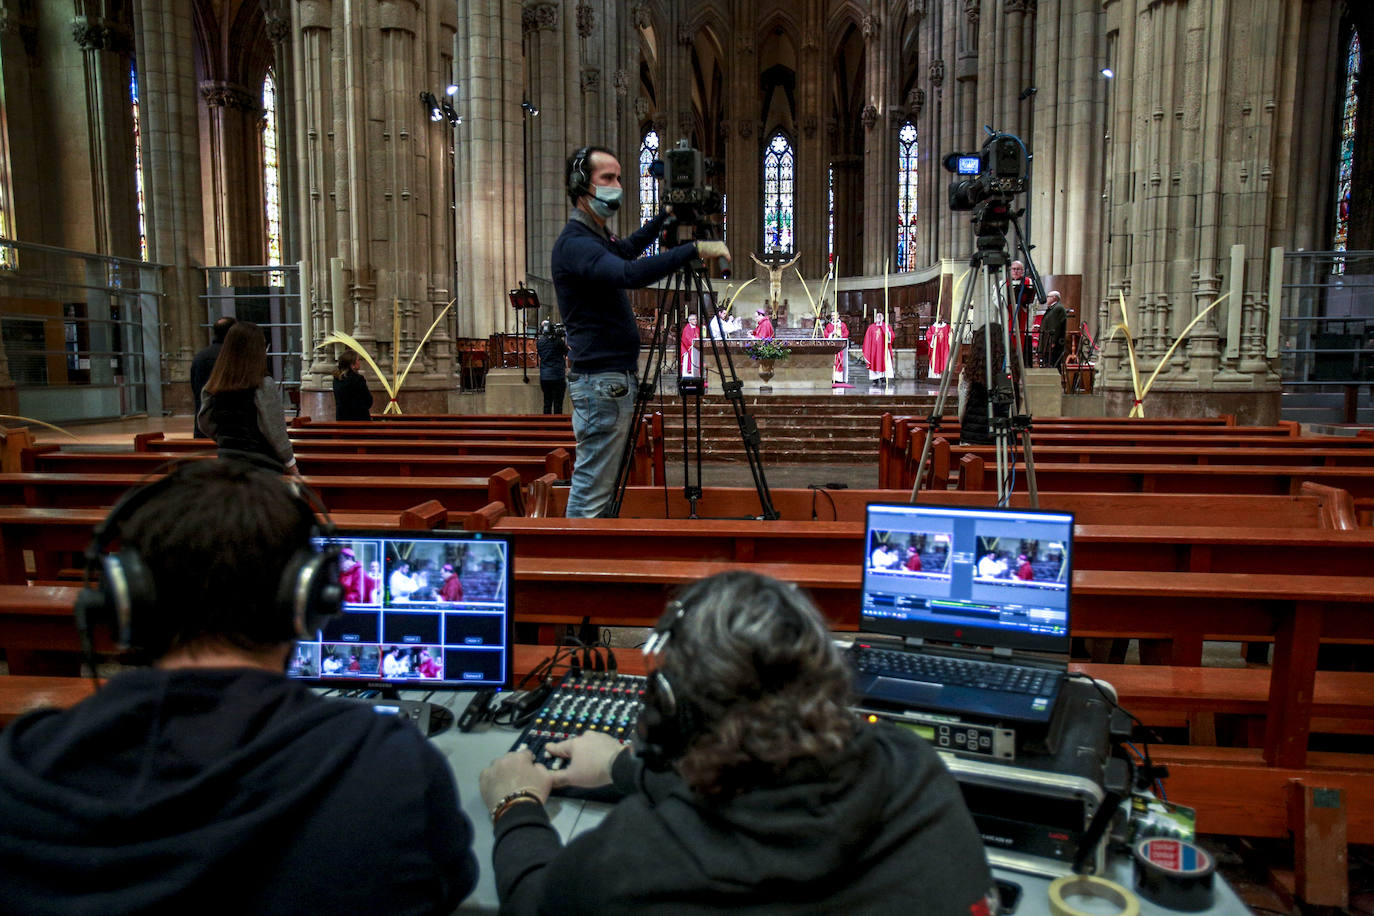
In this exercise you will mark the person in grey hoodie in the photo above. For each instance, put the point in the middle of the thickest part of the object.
(754, 787)
(209, 780)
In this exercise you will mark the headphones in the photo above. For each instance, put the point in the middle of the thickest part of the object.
(119, 587)
(579, 179)
(666, 724)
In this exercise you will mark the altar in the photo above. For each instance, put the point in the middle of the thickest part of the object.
(808, 368)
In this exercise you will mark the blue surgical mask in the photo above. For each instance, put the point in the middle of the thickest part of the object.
(605, 201)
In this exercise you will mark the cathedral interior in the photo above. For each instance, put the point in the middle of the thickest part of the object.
(390, 170)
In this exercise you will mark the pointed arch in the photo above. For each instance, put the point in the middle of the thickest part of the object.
(906, 197)
(779, 194)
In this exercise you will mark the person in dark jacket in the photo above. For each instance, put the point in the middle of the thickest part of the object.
(352, 399)
(553, 372)
(754, 787)
(1053, 329)
(240, 407)
(592, 269)
(209, 779)
(203, 363)
(973, 387)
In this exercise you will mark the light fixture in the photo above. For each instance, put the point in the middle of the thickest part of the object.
(450, 112)
(428, 100)
(452, 89)
(533, 112)
(1107, 72)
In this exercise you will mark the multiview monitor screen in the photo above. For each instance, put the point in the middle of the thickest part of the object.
(422, 610)
(989, 577)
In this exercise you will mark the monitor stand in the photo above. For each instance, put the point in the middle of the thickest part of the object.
(429, 718)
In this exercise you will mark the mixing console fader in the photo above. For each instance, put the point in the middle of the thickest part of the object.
(584, 701)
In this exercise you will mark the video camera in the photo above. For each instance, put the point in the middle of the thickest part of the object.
(999, 170)
(684, 172)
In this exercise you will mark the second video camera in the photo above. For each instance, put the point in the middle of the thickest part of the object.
(685, 171)
(999, 170)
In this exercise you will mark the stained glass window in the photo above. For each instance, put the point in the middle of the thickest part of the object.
(648, 184)
(779, 204)
(830, 233)
(906, 197)
(271, 174)
(1347, 160)
(138, 166)
(7, 259)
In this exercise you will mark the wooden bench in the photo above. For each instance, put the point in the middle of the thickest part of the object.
(346, 445)
(557, 462)
(482, 421)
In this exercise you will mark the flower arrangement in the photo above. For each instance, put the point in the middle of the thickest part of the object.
(767, 349)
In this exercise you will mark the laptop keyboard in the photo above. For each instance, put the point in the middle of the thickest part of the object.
(954, 672)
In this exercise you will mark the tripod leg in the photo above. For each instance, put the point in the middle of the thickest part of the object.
(648, 383)
(961, 322)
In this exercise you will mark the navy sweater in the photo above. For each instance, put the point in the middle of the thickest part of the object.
(591, 272)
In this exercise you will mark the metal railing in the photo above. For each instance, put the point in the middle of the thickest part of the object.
(270, 297)
(1326, 330)
(81, 333)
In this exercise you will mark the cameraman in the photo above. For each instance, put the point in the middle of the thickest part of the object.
(592, 269)
(553, 370)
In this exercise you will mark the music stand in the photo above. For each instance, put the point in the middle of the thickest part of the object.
(522, 300)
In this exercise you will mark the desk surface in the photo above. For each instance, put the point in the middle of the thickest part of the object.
(468, 754)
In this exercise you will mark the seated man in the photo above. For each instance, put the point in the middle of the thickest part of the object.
(209, 778)
(755, 785)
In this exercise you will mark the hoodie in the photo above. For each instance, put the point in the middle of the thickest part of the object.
(232, 788)
(883, 829)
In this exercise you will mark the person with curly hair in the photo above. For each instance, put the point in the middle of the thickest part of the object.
(752, 785)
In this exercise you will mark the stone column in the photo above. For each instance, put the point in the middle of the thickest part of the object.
(813, 215)
(743, 160)
(105, 44)
(879, 153)
(170, 145)
(232, 158)
(549, 139)
(489, 149)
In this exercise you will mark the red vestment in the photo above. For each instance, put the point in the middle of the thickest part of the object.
(937, 335)
(839, 333)
(913, 563)
(452, 589)
(764, 330)
(689, 359)
(878, 349)
(1024, 571)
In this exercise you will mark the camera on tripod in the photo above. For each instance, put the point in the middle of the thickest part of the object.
(684, 171)
(1000, 170)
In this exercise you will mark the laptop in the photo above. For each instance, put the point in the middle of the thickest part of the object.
(980, 598)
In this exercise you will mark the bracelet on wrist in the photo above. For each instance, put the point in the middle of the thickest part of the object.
(519, 796)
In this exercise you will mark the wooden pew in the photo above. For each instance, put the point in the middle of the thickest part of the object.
(557, 462)
(482, 421)
(344, 445)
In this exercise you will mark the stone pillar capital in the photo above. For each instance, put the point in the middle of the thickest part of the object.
(94, 34)
(539, 17)
(639, 15)
(586, 19)
(219, 94)
(937, 72)
(278, 27)
(621, 81)
(591, 79)
(20, 23)
(869, 116)
(744, 44)
(869, 26)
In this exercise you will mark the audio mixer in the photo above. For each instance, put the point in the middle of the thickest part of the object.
(584, 701)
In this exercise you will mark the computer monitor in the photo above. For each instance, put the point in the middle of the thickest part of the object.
(981, 576)
(423, 610)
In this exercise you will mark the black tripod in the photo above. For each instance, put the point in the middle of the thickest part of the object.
(1007, 406)
(692, 280)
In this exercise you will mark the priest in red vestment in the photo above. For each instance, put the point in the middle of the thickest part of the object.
(937, 335)
(836, 329)
(764, 329)
(878, 350)
(689, 356)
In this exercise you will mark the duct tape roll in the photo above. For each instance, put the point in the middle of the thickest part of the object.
(1174, 873)
(1061, 889)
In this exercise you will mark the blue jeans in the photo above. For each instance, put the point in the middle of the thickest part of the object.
(603, 407)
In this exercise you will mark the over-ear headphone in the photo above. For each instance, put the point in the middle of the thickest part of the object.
(579, 178)
(668, 722)
(119, 586)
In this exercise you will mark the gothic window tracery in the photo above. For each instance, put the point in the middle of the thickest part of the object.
(906, 197)
(271, 174)
(648, 184)
(138, 165)
(830, 231)
(779, 201)
(1347, 150)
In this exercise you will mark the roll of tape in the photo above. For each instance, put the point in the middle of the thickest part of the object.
(1127, 904)
(1174, 873)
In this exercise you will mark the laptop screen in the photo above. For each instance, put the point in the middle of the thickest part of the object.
(422, 610)
(987, 577)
